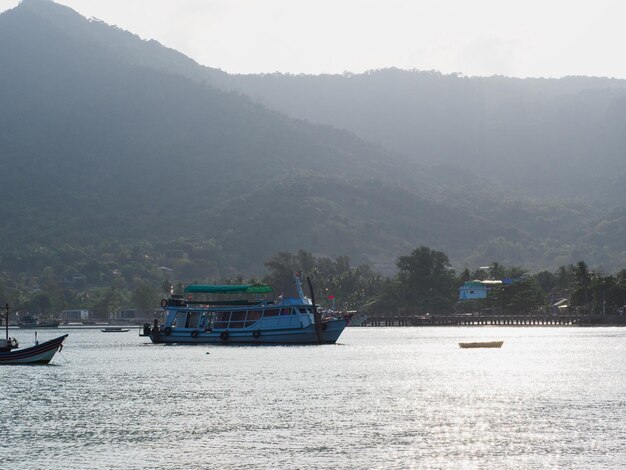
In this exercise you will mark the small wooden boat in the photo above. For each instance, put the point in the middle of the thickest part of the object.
(38, 354)
(482, 344)
(30, 322)
(114, 329)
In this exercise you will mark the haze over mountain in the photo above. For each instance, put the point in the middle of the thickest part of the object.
(107, 137)
(558, 138)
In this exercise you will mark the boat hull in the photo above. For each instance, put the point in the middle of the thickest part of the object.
(331, 330)
(39, 354)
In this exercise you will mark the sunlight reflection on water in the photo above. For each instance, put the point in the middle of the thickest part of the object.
(383, 398)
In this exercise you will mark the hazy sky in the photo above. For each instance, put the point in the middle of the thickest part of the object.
(549, 38)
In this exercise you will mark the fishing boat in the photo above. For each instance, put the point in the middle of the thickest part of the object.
(39, 354)
(482, 344)
(114, 329)
(243, 314)
(30, 322)
(10, 353)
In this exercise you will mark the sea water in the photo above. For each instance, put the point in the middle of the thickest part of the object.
(382, 398)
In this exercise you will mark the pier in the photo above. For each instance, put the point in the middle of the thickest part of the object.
(494, 319)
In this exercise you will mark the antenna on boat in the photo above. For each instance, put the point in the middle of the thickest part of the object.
(299, 285)
(316, 314)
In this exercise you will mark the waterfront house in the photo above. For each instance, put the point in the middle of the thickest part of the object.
(124, 314)
(474, 290)
(76, 315)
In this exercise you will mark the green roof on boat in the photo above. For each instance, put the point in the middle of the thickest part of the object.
(228, 289)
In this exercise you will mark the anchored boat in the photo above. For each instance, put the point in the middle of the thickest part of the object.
(31, 322)
(482, 344)
(243, 314)
(38, 354)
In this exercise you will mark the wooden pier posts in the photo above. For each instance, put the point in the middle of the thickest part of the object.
(493, 319)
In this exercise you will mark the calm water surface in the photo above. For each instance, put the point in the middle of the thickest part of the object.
(383, 398)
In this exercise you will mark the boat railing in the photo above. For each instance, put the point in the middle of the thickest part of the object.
(271, 316)
(242, 302)
(238, 319)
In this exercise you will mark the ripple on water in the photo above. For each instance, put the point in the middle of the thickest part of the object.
(384, 398)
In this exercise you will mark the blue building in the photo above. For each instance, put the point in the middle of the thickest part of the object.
(473, 290)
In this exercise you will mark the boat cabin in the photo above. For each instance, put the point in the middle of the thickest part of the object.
(232, 307)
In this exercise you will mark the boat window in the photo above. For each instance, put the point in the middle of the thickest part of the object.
(253, 316)
(222, 316)
(181, 319)
(194, 319)
(221, 320)
(285, 311)
(271, 312)
(237, 319)
(238, 316)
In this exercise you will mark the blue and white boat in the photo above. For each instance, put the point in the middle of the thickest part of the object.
(225, 314)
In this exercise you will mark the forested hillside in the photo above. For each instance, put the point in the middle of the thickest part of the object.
(547, 137)
(96, 148)
(119, 156)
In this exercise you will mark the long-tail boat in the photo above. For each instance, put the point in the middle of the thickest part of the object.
(40, 353)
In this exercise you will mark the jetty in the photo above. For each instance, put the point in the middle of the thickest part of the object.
(494, 319)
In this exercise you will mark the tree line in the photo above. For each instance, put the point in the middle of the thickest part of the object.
(425, 282)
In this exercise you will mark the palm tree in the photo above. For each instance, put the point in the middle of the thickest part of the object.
(583, 278)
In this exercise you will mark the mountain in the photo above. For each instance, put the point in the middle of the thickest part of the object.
(109, 141)
(547, 137)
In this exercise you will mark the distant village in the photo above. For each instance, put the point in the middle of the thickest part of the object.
(69, 317)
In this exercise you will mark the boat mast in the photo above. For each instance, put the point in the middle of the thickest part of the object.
(299, 286)
(6, 310)
(316, 314)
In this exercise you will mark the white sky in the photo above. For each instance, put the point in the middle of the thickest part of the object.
(549, 38)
